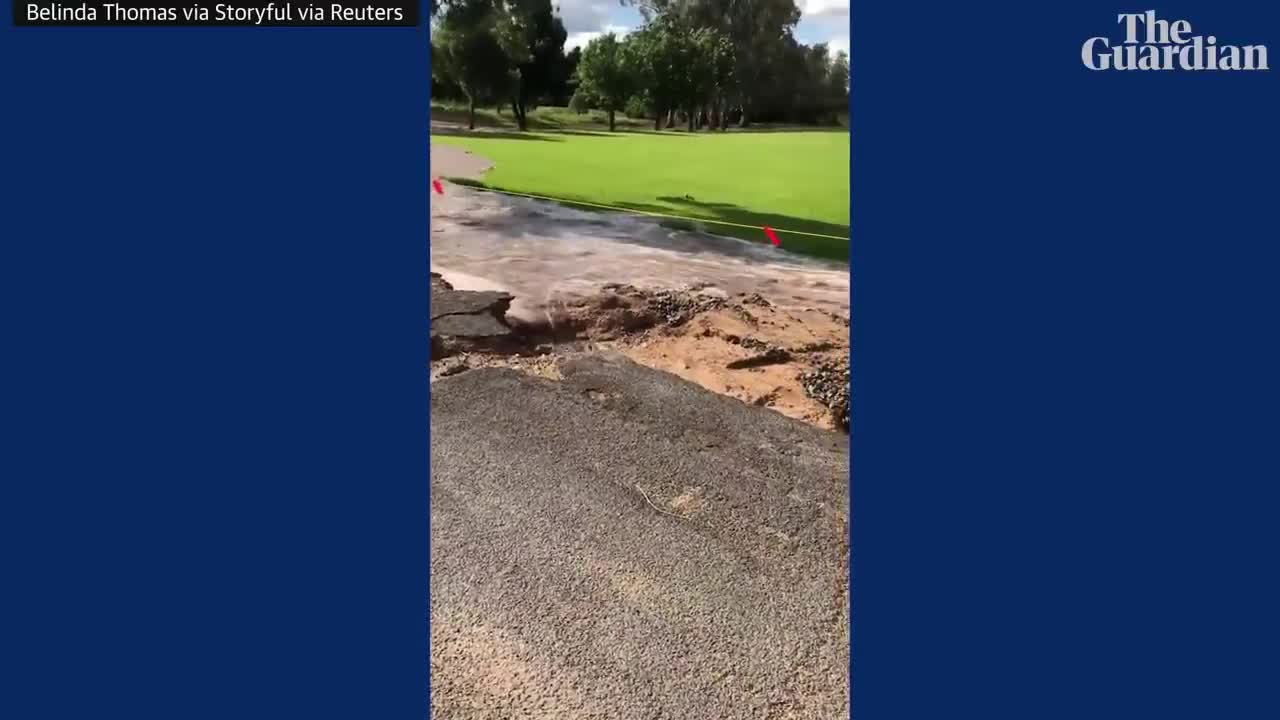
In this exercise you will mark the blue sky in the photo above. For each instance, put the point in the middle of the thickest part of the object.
(820, 21)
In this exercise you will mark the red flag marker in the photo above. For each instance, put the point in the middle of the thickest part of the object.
(772, 238)
(440, 190)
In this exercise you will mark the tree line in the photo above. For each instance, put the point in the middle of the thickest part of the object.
(700, 63)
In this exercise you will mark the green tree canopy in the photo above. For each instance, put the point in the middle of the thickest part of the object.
(605, 79)
(466, 52)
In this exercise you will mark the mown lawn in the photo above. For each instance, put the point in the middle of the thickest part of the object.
(787, 180)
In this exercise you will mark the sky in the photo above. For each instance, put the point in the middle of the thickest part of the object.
(821, 21)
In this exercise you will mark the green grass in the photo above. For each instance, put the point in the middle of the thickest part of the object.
(787, 180)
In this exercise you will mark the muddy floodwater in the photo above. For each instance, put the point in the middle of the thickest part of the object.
(741, 319)
(546, 254)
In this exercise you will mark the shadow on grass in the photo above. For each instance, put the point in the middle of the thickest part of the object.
(701, 221)
(585, 122)
(495, 118)
(703, 217)
(503, 134)
(709, 212)
(661, 133)
(683, 132)
(446, 121)
(585, 133)
(459, 117)
(791, 129)
(619, 132)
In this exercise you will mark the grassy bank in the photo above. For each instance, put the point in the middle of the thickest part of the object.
(787, 180)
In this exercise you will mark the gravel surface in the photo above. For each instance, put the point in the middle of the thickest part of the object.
(623, 544)
(828, 383)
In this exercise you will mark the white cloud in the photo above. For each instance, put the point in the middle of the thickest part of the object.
(824, 21)
(813, 8)
(584, 20)
(581, 38)
(581, 16)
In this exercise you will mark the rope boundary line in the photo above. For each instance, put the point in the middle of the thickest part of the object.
(644, 212)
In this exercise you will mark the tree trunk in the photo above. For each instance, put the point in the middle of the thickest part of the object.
(691, 112)
(671, 119)
(657, 118)
(518, 110)
(520, 105)
(611, 121)
(471, 113)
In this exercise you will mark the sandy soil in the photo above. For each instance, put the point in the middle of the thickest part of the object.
(703, 352)
(792, 361)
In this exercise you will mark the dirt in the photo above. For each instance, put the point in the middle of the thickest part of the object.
(756, 353)
(792, 361)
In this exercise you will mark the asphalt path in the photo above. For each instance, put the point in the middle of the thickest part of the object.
(623, 544)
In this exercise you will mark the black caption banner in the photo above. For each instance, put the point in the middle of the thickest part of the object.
(237, 13)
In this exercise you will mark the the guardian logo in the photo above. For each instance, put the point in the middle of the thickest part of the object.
(1152, 44)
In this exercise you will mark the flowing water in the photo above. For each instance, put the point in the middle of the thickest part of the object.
(544, 253)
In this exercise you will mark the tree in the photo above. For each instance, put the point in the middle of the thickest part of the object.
(680, 67)
(533, 36)
(711, 71)
(658, 54)
(564, 77)
(812, 68)
(838, 82)
(757, 30)
(604, 77)
(467, 54)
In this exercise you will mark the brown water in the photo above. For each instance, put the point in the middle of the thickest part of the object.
(544, 253)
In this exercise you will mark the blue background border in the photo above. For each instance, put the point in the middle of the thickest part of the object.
(1066, 368)
(214, 287)
(214, 401)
